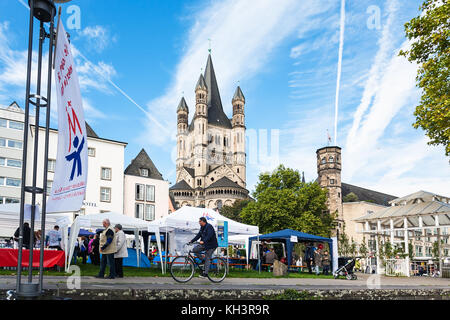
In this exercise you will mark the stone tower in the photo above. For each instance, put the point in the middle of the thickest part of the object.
(329, 176)
(211, 157)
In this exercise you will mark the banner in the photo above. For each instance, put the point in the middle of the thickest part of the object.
(69, 183)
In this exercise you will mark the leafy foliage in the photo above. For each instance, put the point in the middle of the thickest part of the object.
(233, 212)
(351, 197)
(430, 49)
(284, 201)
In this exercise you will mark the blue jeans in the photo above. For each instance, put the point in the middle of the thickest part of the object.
(107, 259)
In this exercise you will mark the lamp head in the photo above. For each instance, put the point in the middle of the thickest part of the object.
(43, 10)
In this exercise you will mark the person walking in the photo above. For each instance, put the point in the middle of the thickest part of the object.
(317, 261)
(53, 239)
(208, 243)
(122, 251)
(326, 262)
(107, 249)
(26, 235)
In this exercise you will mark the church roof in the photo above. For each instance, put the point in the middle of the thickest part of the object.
(367, 195)
(224, 182)
(190, 171)
(143, 161)
(216, 114)
(238, 94)
(181, 185)
(201, 83)
(182, 105)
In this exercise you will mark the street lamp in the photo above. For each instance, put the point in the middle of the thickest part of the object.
(44, 11)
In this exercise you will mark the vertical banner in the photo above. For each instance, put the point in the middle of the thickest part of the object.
(69, 183)
(222, 233)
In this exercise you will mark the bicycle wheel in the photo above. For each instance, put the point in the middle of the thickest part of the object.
(217, 269)
(182, 269)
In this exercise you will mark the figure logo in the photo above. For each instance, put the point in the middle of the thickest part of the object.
(207, 216)
(75, 156)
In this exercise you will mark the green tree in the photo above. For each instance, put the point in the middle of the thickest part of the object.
(430, 49)
(233, 212)
(363, 250)
(351, 197)
(284, 201)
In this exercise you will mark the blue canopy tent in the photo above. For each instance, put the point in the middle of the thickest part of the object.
(84, 233)
(286, 234)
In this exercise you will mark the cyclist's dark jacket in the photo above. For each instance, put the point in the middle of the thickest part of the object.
(208, 235)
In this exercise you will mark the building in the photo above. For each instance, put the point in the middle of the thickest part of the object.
(329, 168)
(12, 120)
(146, 193)
(211, 158)
(104, 188)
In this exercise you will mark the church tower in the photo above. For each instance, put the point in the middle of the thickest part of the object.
(329, 176)
(238, 133)
(182, 132)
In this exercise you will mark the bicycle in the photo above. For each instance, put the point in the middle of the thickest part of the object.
(182, 268)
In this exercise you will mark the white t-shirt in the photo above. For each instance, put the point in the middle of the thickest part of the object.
(54, 237)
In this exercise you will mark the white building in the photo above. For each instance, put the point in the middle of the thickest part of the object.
(12, 120)
(146, 193)
(104, 189)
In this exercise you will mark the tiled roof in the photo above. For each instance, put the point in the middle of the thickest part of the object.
(143, 161)
(367, 195)
(224, 182)
(181, 185)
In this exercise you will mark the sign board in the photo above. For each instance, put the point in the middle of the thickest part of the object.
(294, 239)
(222, 233)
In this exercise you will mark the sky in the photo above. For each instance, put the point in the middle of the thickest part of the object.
(136, 59)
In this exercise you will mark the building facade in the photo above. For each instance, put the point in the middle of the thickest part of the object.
(211, 158)
(12, 120)
(146, 193)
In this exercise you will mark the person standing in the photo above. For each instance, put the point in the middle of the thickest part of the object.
(271, 256)
(208, 243)
(317, 260)
(309, 257)
(84, 249)
(326, 263)
(26, 235)
(122, 251)
(107, 249)
(96, 249)
(53, 239)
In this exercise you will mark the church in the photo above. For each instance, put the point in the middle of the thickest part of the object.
(211, 158)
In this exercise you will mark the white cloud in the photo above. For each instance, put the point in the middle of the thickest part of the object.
(243, 34)
(97, 37)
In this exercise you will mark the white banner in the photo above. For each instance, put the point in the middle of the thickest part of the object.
(69, 183)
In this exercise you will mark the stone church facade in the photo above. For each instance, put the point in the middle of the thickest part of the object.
(211, 158)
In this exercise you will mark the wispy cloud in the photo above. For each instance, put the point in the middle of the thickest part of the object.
(97, 38)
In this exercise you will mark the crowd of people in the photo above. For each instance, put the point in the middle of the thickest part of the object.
(52, 239)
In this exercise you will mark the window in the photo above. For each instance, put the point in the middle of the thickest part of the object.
(12, 200)
(11, 182)
(15, 144)
(149, 212)
(14, 163)
(144, 172)
(331, 181)
(219, 204)
(2, 181)
(331, 159)
(139, 213)
(324, 160)
(419, 251)
(91, 152)
(106, 174)
(51, 165)
(2, 142)
(2, 162)
(150, 193)
(105, 194)
(3, 122)
(16, 125)
(49, 186)
(139, 191)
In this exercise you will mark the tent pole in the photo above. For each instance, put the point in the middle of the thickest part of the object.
(165, 250)
(259, 258)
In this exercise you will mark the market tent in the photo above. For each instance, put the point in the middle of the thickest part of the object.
(96, 221)
(292, 236)
(241, 240)
(183, 223)
(84, 233)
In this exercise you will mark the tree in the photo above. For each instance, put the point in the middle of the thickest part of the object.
(363, 250)
(430, 49)
(233, 212)
(351, 197)
(284, 201)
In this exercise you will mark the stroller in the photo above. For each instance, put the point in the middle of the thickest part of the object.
(346, 270)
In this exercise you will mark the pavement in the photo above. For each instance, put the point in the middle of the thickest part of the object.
(364, 281)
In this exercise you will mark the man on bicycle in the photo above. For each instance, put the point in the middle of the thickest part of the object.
(208, 243)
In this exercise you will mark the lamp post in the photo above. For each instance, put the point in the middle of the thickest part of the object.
(44, 11)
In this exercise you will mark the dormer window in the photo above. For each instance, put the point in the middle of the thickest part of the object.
(144, 172)
(331, 159)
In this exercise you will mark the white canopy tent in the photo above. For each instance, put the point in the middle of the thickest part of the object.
(10, 220)
(182, 225)
(241, 240)
(128, 224)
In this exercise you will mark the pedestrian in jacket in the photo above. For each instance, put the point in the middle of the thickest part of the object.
(26, 235)
(107, 249)
(317, 261)
(96, 249)
(326, 262)
(122, 251)
(208, 243)
(309, 257)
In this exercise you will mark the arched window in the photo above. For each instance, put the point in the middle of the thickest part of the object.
(324, 160)
(219, 204)
(331, 159)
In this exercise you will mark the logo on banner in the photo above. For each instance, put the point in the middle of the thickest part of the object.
(75, 156)
(208, 216)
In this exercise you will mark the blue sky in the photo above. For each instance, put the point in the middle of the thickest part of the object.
(136, 58)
